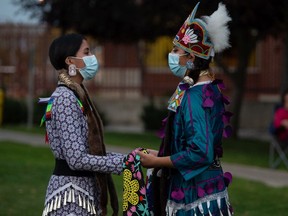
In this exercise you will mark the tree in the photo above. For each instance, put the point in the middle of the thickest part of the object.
(141, 20)
(121, 21)
(285, 71)
(253, 20)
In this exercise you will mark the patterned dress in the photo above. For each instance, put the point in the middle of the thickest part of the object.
(198, 185)
(67, 131)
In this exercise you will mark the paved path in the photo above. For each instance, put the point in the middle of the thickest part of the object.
(274, 178)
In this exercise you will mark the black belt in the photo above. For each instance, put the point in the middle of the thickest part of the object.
(63, 169)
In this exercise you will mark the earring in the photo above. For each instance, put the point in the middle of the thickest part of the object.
(190, 65)
(72, 70)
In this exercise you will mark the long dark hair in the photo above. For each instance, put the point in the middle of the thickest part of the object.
(62, 47)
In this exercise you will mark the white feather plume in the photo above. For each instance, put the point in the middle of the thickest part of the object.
(217, 27)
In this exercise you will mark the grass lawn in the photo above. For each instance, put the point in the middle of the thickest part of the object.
(243, 151)
(25, 171)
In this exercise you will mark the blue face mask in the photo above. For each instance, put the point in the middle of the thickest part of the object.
(177, 69)
(91, 67)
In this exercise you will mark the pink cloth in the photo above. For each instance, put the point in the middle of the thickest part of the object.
(280, 115)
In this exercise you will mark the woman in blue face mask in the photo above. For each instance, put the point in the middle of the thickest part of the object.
(187, 177)
(188, 66)
(81, 180)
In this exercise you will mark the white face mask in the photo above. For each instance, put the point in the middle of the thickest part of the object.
(91, 67)
(177, 69)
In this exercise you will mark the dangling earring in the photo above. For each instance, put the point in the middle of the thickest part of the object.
(72, 70)
(190, 65)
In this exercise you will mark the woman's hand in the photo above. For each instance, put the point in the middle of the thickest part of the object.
(148, 160)
(153, 152)
(151, 160)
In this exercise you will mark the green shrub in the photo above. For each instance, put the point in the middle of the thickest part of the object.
(14, 111)
(152, 116)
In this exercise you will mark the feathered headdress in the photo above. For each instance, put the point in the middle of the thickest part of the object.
(206, 36)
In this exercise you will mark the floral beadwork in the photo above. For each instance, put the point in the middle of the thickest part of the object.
(177, 97)
(134, 190)
(130, 190)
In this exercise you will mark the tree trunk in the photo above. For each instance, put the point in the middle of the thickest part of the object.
(237, 100)
(245, 46)
(284, 84)
(141, 51)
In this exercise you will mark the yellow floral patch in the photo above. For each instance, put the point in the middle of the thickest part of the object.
(130, 188)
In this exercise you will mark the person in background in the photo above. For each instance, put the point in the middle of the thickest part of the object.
(81, 178)
(281, 119)
(187, 178)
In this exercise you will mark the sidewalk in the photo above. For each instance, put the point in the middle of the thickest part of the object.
(274, 178)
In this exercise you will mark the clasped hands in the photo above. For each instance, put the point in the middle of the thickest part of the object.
(149, 159)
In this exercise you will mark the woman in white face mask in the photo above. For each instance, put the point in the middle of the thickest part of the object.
(187, 178)
(81, 178)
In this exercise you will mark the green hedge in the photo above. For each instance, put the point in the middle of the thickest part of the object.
(15, 111)
(152, 116)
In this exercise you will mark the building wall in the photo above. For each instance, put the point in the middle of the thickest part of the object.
(266, 78)
(25, 48)
(127, 74)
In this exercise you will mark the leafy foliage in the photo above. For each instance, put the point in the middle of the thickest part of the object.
(118, 21)
(145, 19)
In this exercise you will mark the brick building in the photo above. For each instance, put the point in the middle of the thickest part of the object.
(129, 73)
